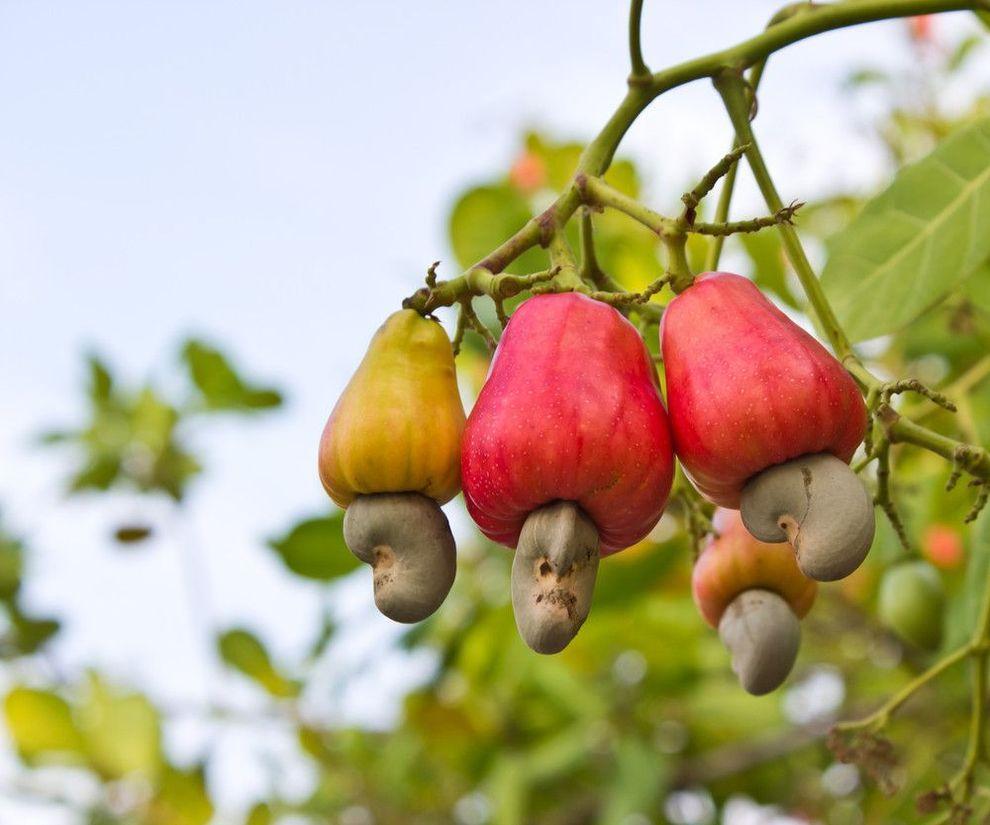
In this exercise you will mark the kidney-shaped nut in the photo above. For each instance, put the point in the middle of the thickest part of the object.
(553, 575)
(819, 505)
(407, 541)
(763, 635)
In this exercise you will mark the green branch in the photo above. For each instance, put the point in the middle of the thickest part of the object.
(640, 74)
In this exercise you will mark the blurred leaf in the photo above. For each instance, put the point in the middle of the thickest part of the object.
(219, 383)
(912, 243)
(964, 610)
(98, 473)
(636, 783)
(769, 264)
(27, 635)
(244, 651)
(181, 799)
(962, 52)
(121, 730)
(315, 548)
(486, 216)
(100, 380)
(132, 533)
(984, 18)
(41, 725)
(11, 566)
(260, 814)
(976, 287)
(866, 77)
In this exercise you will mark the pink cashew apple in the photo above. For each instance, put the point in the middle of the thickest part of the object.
(566, 455)
(765, 419)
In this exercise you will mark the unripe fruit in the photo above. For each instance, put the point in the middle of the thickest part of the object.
(911, 603)
(571, 412)
(748, 391)
(754, 594)
(396, 429)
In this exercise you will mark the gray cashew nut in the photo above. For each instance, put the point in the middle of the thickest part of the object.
(407, 541)
(763, 635)
(819, 505)
(553, 575)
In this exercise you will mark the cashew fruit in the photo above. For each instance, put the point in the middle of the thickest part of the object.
(390, 455)
(766, 420)
(754, 594)
(571, 412)
(397, 426)
(734, 561)
(911, 602)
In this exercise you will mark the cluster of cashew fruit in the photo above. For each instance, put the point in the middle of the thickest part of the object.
(568, 456)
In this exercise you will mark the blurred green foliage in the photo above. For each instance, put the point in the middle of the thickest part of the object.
(640, 720)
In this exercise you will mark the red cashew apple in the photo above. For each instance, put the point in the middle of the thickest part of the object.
(566, 455)
(766, 420)
(754, 594)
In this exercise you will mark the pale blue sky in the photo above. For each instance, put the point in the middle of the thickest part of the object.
(275, 175)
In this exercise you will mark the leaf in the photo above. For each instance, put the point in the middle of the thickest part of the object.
(128, 534)
(964, 609)
(121, 731)
(27, 634)
(315, 548)
(912, 243)
(483, 218)
(866, 77)
(769, 264)
(984, 18)
(100, 380)
(244, 652)
(182, 799)
(219, 383)
(976, 288)
(11, 566)
(963, 50)
(41, 724)
(260, 814)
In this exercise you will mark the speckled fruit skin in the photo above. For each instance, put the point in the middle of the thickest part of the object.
(397, 426)
(747, 388)
(735, 562)
(571, 410)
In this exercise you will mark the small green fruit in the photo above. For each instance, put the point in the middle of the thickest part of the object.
(911, 603)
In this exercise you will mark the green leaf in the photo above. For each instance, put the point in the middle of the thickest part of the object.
(769, 264)
(28, 634)
(315, 548)
(963, 50)
(976, 288)
(121, 730)
(984, 18)
(260, 814)
(41, 725)
(100, 380)
(11, 566)
(182, 799)
(866, 77)
(219, 383)
(965, 609)
(483, 218)
(912, 243)
(244, 652)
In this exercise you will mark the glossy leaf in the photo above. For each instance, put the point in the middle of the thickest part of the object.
(911, 244)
